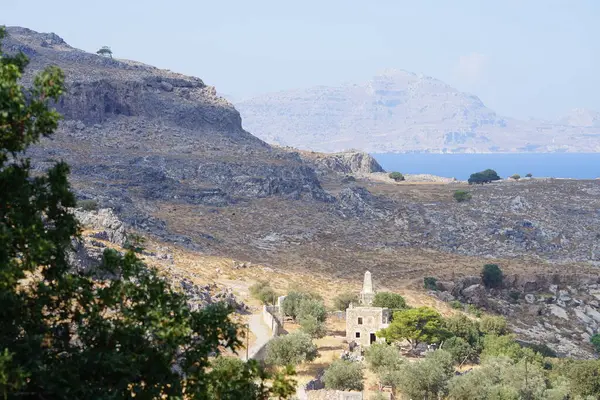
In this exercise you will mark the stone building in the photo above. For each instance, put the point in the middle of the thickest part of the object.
(363, 321)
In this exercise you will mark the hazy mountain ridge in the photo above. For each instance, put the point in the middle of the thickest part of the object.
(399, 111)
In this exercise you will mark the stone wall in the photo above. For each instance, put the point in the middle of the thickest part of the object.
(272, 318)
(333, 395)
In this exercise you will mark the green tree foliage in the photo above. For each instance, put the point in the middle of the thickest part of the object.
(310, 325)
(397, 176)
(493, 324)
(461, 326)
(516, 177)
(385, 361)
(499, 346)
(426, 379)
(501, 378)
(263, 292)
(344, 375)
(457, 305)
(389, 300)
(416, 325)
(461, 195)
(482, 177)
(233, 378)
(66, 335)
(460, 350)
(314, 308)
(343, 300)
(595, 341)
(105, 51)
(291, 349)
(135, 242)
(430, 283)
(529, 175)
(492, 276)
(583, 377)
(291, 303)
(311, 317)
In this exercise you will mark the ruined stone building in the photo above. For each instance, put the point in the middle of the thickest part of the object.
(363, 321)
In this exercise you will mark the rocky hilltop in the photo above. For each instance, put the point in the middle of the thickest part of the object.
(134, 134)
(399, 111)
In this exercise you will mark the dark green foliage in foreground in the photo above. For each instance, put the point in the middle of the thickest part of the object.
(64, 335)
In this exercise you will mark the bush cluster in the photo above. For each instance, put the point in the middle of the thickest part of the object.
(397, 176)
(487, 176)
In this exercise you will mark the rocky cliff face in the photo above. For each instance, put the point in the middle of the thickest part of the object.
(135, 135)
(398, 111)
(349, 162)
(559, 310)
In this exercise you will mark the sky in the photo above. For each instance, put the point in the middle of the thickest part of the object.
(523, 58)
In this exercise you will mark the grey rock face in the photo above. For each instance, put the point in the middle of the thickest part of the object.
(351, 162)
(104, 219)
(399, 111)
(135, 134)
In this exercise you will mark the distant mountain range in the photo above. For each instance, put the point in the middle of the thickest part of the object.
(399, 111)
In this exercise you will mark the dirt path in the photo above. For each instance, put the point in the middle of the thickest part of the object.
(261, 332)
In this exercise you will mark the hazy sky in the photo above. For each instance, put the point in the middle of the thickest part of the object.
(523, 58)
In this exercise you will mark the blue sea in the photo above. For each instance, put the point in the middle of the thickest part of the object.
(460, 166)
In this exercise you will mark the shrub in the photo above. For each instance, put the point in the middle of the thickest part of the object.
(460, 350)
(343, 300)
(595, 341)
(514, 295)
(291, 349)
(482, 177)
(263, 292)
(88, 205)
(462, 195)
(463, 327)
(314, 308)
(383, 358)
(472, 309)
(457, 305)
(493, 324)
(542, 349)
(426, 379)
(529, 175)
(516, 177)
(135, 242)
(291, 303)
(389, 300)
(492, 276)
(344, 375)
(310, 325)
(397, 176)
(430, 283)
(501, 345)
